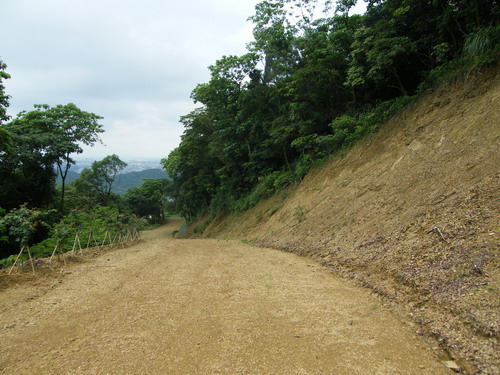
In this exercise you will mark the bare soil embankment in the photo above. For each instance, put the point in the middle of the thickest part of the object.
(412, 213)
(168, 306)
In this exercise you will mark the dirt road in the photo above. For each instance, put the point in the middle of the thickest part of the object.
(170, 306)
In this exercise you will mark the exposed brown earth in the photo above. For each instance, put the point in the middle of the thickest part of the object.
(412, 213)
(168, 306)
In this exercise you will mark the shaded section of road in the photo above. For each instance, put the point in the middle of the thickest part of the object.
(203, 307)
(165, 232)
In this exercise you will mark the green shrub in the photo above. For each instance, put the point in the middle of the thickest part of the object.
(9, 261)
(94, 227)
(481, 48)
(259, 215)
(200, 228)
(347, 130)
(299, 213)
(273, 209)
(267, 186)
(482, 41)
(45, 248)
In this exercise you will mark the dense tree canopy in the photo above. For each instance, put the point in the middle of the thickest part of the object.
(41, 139)
(311, 83)
(149, 200)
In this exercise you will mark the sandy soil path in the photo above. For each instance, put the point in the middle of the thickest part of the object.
(170, 306)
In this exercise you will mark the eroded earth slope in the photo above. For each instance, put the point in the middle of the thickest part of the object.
(413, 213)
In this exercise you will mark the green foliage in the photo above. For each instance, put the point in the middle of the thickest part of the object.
(6, 144)
(5, 137)
(33, 143)
(96, 183)
(23, 223)
(32, 147)
(200, 228)
(299, 213)
(9, 261)
(91, 227)
(347, 130)
(441, 74)
(482, 41)
(266, 187)
(150, 200)
(481, 48)
(130, 180)
(124, 181)
(4, 98)
(310, 85)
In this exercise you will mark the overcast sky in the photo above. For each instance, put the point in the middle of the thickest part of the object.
(134, 62)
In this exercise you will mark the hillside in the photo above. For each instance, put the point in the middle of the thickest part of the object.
(130, 180)
(124, 181)
(412, 213)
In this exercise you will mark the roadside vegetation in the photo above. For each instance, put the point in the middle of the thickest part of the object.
(36, 147)
(313, 82)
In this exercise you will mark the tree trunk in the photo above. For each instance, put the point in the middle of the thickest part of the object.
(63, 187)
(286, 159)
(400, 87)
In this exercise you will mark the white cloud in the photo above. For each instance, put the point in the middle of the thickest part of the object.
(132, 62)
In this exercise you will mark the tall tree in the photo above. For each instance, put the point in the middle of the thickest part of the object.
(312, 83)
(63, 129)
(194, 166)
(5, 138)
(149, 200)
(27, 170)
(98, 180)
(4, 98)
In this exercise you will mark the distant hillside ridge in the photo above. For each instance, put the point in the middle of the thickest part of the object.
(130, 180)
(411, 212)
(123, 181)
(69, 178)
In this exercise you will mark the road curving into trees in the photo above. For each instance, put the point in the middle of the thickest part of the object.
(168, 306)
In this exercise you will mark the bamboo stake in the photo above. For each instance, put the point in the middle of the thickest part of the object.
(31, 259)
(113, 243)
(77, 240)
(55, 249)
(90, 236)
(79, 244)
(17, 258)
(74, 244)
(96, 244)
(106, 236)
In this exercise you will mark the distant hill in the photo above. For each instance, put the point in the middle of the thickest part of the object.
(69, 178)
(130, 180)
(124, 181)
